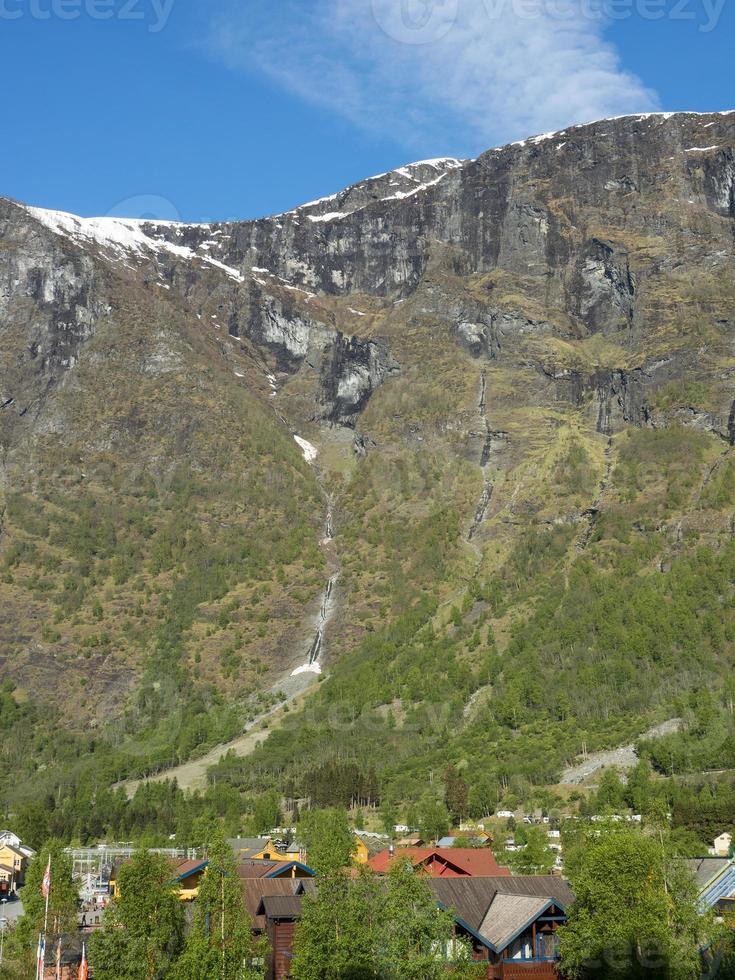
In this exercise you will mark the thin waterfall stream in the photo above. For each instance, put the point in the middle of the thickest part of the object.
(326, 609)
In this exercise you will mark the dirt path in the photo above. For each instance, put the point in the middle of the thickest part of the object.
(193, 774)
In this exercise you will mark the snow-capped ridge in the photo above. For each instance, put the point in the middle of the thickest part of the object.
(444, 164)
(543, 137)
(123, 236)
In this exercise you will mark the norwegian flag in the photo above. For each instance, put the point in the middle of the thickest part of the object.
(46, 885)
(84, 967)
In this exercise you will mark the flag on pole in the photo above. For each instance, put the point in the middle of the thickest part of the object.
(40, 956)
(84, 968)
(46, 885)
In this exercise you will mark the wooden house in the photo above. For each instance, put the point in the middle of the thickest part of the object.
(7, 880)
(281, 914)
(441, 862)
(63, 957)
(188, 877)
(510, 922)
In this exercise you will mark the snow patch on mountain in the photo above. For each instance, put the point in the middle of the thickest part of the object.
(310, 452)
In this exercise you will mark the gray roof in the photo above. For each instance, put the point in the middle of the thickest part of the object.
(508, 915)
(706, 868)
(248, 843)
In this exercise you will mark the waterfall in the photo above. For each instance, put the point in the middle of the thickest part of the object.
(325, 610)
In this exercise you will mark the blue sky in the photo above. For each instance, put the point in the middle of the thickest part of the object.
(217, 109)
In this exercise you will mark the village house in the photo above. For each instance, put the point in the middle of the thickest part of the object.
(188, 877)
(722, 845)
(511, 923)
(367, 845)
(274, 869)
(14, 858)
(441, 862)
(715, 880)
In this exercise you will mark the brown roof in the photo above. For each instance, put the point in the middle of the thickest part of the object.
(257, 869)
(255, 889)
(185, 868)
(281, 906)
(470, 898)
(545, 886)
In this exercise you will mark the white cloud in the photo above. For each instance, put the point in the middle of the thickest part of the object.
(437, 72)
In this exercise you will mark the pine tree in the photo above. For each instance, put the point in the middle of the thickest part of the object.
(328, 840)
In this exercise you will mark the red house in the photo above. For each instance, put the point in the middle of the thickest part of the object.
(441, 862)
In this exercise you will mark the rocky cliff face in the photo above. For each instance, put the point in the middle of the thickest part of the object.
(583, 282)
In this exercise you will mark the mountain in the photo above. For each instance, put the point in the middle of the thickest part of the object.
(460, 434)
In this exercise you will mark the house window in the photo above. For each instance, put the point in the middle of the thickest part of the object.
(547, 946)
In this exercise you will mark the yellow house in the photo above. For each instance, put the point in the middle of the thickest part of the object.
(14, 859)
(360, 853)
(188, 878)
(7, 880)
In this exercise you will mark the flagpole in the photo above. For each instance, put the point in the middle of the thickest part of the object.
(47, 889)
(46, 886)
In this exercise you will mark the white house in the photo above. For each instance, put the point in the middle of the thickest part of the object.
(504, 814)
(723, 843)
